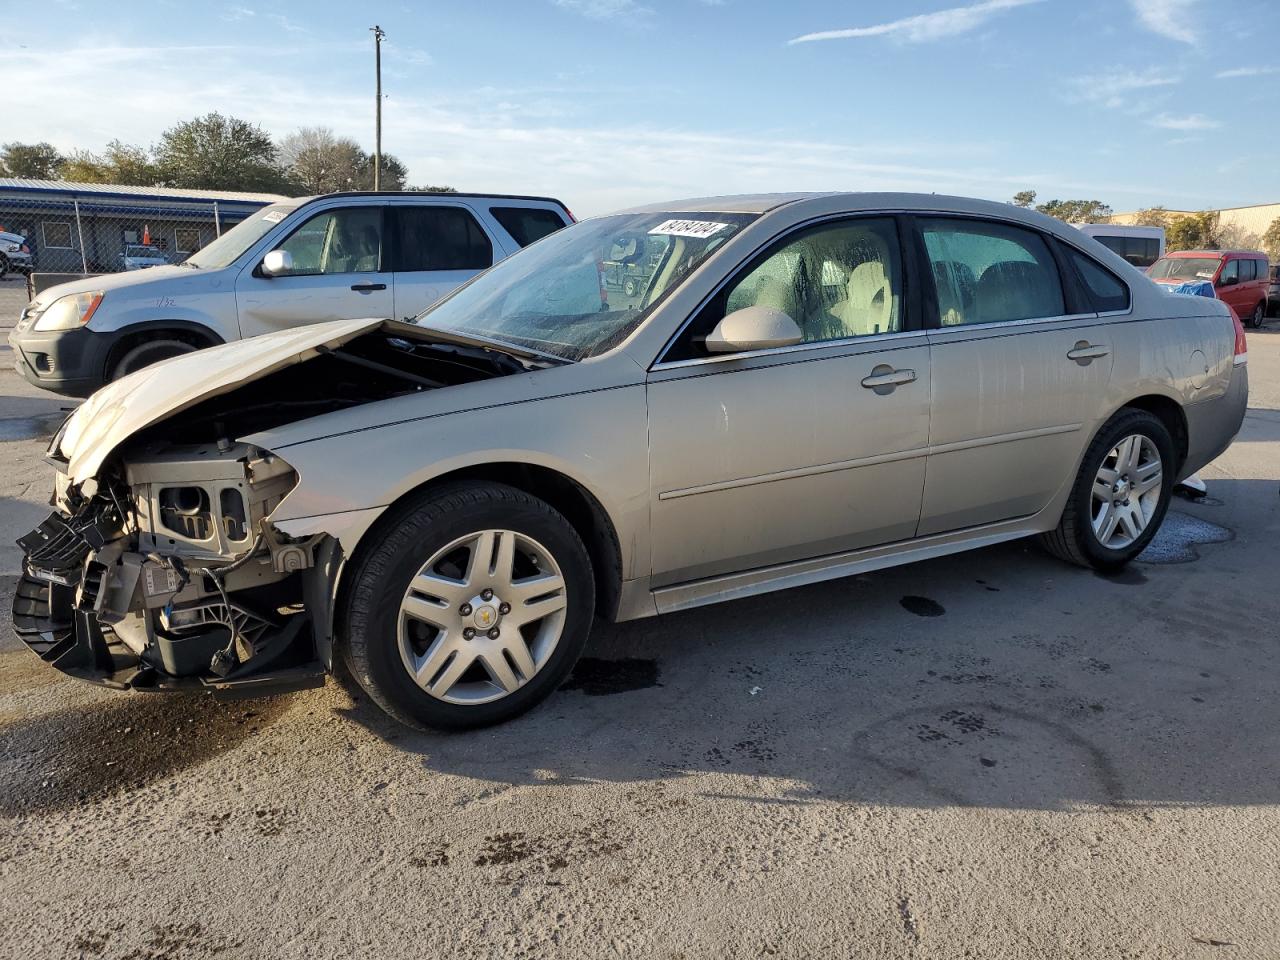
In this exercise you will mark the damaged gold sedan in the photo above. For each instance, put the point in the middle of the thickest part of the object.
(794, 389)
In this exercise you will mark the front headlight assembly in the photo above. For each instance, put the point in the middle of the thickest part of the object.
(69, 312)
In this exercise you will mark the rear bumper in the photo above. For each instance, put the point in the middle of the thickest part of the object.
(1213, 424)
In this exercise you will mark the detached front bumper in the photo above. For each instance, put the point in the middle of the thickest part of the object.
(54, 615)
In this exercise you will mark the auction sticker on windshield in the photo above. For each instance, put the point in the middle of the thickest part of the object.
(689, 228)
(274, 216)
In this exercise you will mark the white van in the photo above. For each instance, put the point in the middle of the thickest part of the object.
(1141, 246)
(342, 256)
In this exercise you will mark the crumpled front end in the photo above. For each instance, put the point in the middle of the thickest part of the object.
(166, 573)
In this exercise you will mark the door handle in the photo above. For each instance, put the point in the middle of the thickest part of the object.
(368, 287)
(884, 378)
(1085, 352)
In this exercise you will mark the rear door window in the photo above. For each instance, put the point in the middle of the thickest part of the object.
(991, 272)
(527, 224)
(439, 237)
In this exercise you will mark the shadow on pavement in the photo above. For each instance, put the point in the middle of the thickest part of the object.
(1039, 686)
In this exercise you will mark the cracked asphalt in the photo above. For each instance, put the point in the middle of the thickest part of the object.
(990, 755)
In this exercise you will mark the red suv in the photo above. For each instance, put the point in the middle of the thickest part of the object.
(1240, 277)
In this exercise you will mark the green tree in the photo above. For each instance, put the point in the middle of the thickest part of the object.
(1024, 198)
(431, 189)
(1193, 231)
(1152, 217)
(119, 163)
(214, 152)
(33, 161)
(1271, 241)
(394, 174)
(1077, 211)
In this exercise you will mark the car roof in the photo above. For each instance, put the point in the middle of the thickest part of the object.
(762, 203)
(1254, 254)
(428, 193)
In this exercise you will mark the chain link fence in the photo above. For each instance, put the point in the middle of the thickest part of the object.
(95, 234)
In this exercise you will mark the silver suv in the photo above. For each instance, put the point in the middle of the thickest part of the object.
(336, 257)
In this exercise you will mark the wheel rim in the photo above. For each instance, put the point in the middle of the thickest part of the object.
(1258, 316)
(482, 617)
(1126, 491)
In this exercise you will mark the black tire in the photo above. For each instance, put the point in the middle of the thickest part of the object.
(145, 354)
(1259, 316)
(629, 287)
(4, 266)
(403, 544)
(1074, 540)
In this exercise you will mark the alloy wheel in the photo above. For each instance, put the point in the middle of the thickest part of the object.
(1126, 491)
(482, 617)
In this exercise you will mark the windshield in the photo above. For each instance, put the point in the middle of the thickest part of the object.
(1185, 268)
(583, 289)
(223, 251)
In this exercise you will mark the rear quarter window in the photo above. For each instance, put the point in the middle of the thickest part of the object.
(527, 224)
(1106, 291)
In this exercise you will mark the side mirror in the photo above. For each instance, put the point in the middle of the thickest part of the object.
(753, 328)
(277, 263)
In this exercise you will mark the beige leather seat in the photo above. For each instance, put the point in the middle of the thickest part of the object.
(868, 306)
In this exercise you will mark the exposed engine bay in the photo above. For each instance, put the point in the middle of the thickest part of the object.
(163, 570)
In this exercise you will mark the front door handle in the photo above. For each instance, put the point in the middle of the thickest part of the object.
(368, 287)
(884, 378)
(1085, 352)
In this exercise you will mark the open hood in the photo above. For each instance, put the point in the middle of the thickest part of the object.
(158, 393)
(121, 409)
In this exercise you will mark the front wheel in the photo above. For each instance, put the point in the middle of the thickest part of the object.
(1120, 495)
(145, 354)
(471, 609)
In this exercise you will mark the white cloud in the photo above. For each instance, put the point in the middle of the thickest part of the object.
(1192, 121)
(1111, 89)
(1247, 72)
(516, 140)
(925, 26)
(603, 9)
(1171, 19)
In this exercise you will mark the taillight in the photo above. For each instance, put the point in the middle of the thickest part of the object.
(1242, 342)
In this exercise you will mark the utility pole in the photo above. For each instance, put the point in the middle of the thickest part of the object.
(378, 35)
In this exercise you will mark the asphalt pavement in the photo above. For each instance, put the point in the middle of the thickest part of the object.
(989, 755)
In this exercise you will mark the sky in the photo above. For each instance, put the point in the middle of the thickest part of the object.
(610, 103)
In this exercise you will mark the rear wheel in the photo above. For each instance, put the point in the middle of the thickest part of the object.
(1120, 496)
(472, 608)
(1259, 316)
(4, 266)
(145, 354)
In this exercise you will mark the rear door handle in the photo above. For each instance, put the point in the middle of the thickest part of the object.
(368, 287)
(1085, 352)
(884, 378)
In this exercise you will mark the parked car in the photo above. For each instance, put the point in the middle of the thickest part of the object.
(1273, 292)
(1141, 246)
(1239, 277)
(15, 255)
(139, 256)
(811, 386)
(340, 256)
